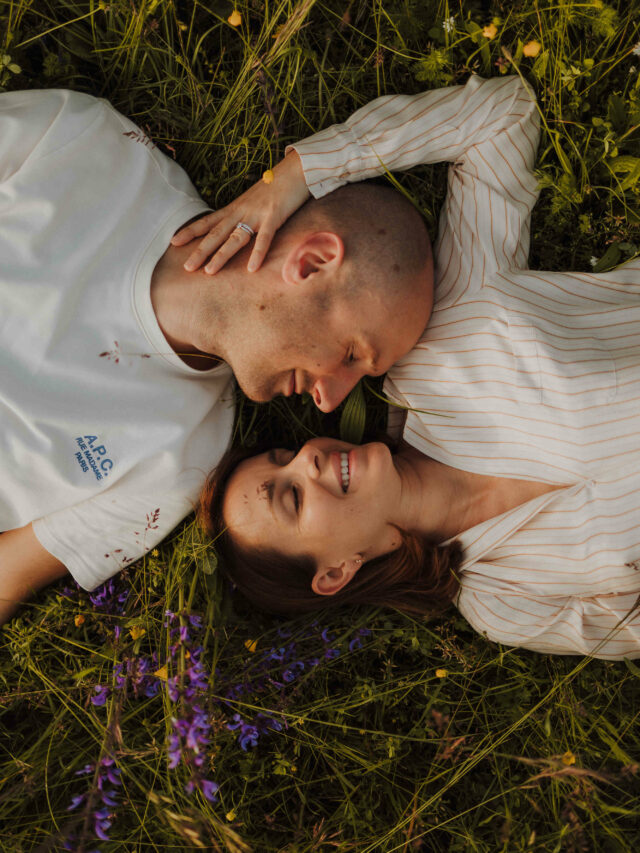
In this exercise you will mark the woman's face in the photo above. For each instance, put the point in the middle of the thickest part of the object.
(332, 501)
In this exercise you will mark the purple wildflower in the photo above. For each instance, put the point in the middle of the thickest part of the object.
(75, 802)
(209, 790)
(174, 750)
(293, 671)
(102, 823)
(102, 694)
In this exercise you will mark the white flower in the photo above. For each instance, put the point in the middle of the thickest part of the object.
(632, 68)
(448, 24)
(636, 49)
(593, 261)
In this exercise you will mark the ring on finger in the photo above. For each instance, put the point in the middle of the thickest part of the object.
(249, 230)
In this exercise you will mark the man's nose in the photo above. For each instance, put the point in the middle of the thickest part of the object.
(329, 391)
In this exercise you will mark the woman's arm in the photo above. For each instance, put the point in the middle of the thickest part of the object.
(487, 128)
(25, 567)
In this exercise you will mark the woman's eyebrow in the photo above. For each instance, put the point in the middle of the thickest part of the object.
(271, 456)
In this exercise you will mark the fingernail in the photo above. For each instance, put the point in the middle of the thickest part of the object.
(251, 267)
(189, 266)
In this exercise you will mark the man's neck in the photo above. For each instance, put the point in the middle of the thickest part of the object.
(191, 307)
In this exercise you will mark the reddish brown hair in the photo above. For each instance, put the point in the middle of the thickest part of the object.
(418, 577)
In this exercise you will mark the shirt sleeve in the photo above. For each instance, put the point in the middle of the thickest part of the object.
(100, 536)
(604, 626)
(487, 129)
(34, 123)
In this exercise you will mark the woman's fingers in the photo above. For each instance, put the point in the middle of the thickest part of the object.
(195, 229)
(263, 241)
(236, 240)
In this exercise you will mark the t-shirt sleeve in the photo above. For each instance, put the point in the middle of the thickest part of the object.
(98, 537)
(605, 626)
(35, 123)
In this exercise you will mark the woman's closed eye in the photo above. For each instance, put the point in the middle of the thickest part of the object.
(295, 491)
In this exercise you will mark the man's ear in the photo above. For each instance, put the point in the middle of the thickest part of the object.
(322, 251)
(331, 579)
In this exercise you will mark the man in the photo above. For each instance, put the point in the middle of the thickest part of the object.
(115, 364)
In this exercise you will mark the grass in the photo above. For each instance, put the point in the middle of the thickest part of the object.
(398, 734)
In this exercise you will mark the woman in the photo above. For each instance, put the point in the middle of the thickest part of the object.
(523, 400)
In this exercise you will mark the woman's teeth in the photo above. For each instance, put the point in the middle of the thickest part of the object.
(344, 467)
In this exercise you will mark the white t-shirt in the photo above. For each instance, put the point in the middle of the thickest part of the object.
(106, 435)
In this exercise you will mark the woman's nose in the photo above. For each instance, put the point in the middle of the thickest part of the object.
(308, 461)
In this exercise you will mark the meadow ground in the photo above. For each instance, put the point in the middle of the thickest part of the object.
(127, 728)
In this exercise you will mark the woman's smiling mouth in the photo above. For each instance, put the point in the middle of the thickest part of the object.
(344, 470)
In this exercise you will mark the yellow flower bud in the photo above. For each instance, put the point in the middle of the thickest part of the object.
(251, 645)
(490, 31)
(442, 673)
(79, 620)
(137, 631)
(161, 673)
(235, 18)
(568, 758)
(532, 48)
(268, 176)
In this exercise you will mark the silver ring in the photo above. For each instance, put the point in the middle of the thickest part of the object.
(246, 228)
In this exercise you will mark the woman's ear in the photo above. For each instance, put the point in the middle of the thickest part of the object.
(332, 579)
(320, 252)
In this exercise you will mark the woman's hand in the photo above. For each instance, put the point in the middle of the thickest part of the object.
(263, 207)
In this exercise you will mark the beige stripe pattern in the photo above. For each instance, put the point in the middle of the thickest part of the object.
(537, 373)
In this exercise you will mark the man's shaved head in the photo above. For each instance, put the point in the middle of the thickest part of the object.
(385, 239)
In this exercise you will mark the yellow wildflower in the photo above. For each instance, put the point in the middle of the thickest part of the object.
(490, 31)
(268, 176)
(235, 18)
(442, 673)
(568, 758)
(137, 631)
(532, 48)
(161, 673)
(79, 620)
(231, 815)
(251, 645)
(155, 553)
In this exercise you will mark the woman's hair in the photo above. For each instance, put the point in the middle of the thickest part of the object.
(418, 577)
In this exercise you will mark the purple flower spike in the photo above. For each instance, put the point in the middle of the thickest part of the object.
(209, 790)
(102, 694)
(330, 654)
(356, 643)
(326, 636)
(195, 620)
(88, 768)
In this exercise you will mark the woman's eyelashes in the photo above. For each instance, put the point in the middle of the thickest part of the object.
(296, 498)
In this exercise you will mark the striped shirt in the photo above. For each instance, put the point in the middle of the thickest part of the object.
(522, 374)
